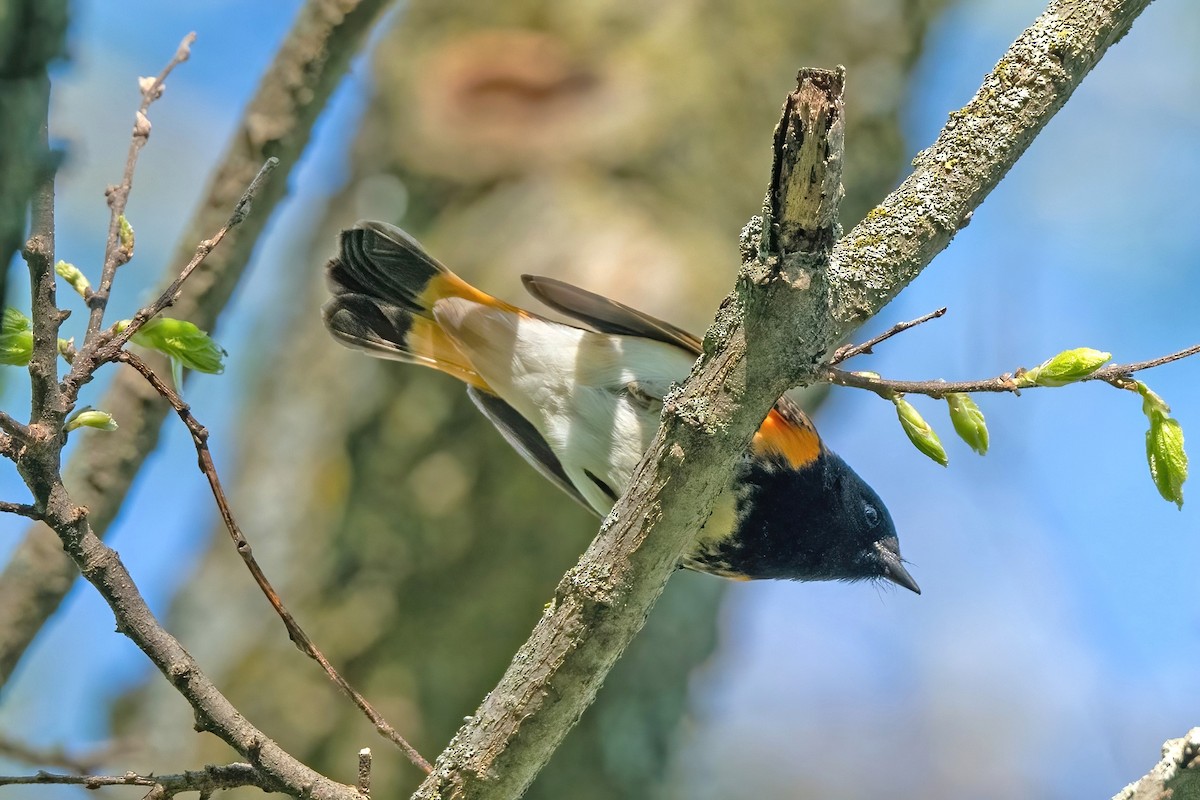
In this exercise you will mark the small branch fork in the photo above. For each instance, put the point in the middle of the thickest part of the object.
(295, 632)
(1117, 375)
(102, 348)
(118, 196)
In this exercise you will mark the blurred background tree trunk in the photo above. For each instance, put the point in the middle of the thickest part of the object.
(619, 145)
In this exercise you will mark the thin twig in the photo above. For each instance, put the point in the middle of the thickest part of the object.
(295, 632)
(1114, 371)
(21, 509)
(118, 196)
(205, 781)
(848, 351)
(171, 293)
(1115, 374)
(99, 351)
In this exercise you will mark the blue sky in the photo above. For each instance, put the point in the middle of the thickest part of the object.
(1056, 640)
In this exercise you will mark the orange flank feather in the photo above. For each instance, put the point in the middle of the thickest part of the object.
(430, 343)
(794, 440)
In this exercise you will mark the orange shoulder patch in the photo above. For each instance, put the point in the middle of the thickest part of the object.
(796, 442)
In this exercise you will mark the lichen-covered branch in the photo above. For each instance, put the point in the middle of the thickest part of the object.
(277, 122)
(773, 332)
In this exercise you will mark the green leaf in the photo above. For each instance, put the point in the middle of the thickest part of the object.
(1168, 461)
(183, 342)
(71, 274)
(919, 432)
(1066, 367)
(90, 418)
(968, 421)
(14, 321)
(16, 339)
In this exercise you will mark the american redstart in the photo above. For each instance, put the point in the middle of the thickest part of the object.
(582, 404)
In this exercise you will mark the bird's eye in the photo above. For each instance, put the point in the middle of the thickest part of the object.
(871, 515)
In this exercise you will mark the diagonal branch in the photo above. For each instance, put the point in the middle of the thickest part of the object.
(295, 632)
(774, 331)
(277, 122)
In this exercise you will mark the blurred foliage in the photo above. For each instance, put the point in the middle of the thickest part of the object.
(620, 145)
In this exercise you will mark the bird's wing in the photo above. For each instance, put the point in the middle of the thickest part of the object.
(525, 439)
(605, 315)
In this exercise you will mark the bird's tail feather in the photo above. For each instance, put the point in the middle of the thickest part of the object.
(384, 286)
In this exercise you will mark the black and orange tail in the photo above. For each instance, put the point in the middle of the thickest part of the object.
(384, 286)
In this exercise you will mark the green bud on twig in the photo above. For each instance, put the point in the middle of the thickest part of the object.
(1168, 461)
(1066, 367)
(918, 431)
(16, 339)
(90, 418)
(125, 237)
(71, 274)
(968, 421)
(1164, 447)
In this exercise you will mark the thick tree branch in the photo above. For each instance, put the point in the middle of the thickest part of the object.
(277, 122)
(771, 333)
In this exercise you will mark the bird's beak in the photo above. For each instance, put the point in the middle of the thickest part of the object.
(894, 570)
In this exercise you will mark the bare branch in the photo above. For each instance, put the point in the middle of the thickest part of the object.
(47, 402)
(1115, 374)
(849, 351)
(277, 122)
(102, 567)
(205, 781)
(295, 632)
(21, 509)
(118, 196)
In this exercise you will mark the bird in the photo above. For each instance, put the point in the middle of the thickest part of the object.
(581, 403)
